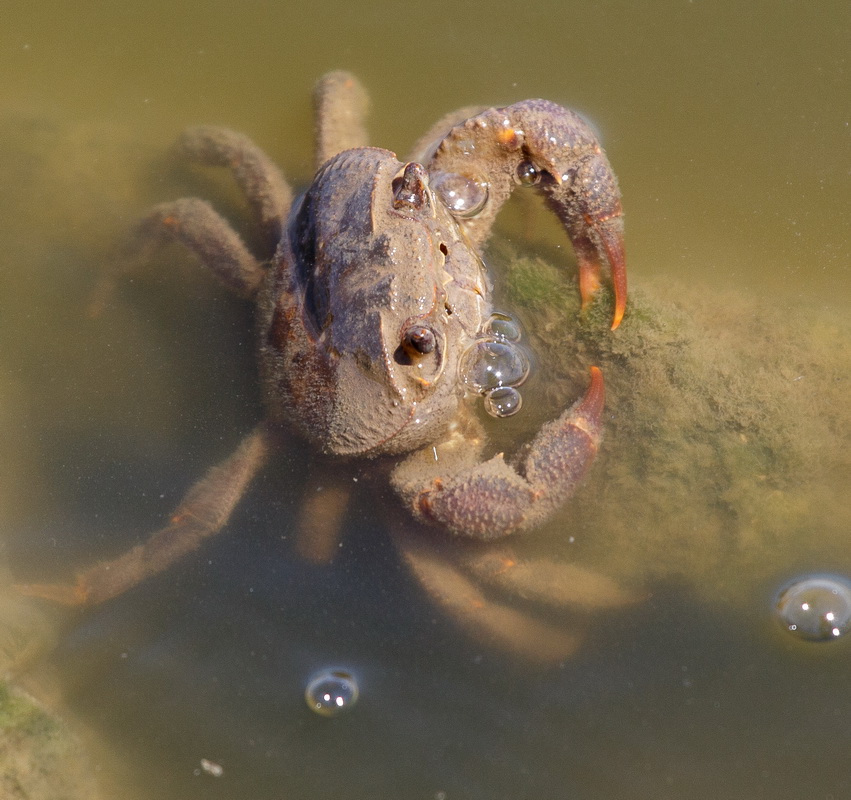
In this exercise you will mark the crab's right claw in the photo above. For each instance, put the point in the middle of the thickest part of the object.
(578, 183)
(589, 205)
(542, 144)
(594, 242)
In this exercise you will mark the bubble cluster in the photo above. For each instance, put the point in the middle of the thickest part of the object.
(816, 608)
(331, 692)
(496, 364)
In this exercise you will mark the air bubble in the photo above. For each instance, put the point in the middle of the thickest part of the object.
(462, 195)
(331, 692)
(527, 174)
(503, 402)
(502, 326)
(490, 364)
(816, 608)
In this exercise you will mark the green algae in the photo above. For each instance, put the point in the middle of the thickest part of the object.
(726, 428)
(40, 759)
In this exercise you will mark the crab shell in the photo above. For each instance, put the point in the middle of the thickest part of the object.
(369, 255)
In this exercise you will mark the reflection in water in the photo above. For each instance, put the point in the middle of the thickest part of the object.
(724, 468)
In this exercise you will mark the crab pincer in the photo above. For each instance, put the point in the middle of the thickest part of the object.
(495, 498)
(542, 144)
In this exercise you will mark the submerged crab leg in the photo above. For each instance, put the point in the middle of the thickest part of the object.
(540, 143)
(203, 512)
(558, 584)
(322, 514)
(200, 228)
(493, 499)
(203, 231)
(487, 619)
(257, 176)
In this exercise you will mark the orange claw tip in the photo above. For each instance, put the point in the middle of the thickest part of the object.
(620, 307)
(612, 240)
(597, 385)
(619, 283)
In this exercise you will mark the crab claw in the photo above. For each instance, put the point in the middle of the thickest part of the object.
(612, 242)
(539, 143)
(595, 240)
(587, 201)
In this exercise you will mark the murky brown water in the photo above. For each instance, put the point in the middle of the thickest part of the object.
(729, 130)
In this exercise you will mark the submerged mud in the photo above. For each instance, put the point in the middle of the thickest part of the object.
(726, 433)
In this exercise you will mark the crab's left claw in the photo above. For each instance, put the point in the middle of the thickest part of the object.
(539, 143)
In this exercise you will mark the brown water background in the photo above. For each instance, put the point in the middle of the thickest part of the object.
(728, 126)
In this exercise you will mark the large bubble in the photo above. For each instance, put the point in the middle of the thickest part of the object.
(463, 195)
(816, 608)
(502, 326)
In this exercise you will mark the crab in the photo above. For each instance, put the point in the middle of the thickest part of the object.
(373, 309)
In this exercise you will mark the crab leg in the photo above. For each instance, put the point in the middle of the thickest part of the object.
(257, 176)
(492, 499)
(203, 231)
(340, 104)
(322, 514)
(200, 228)
(203, 512)
(540, 143)
(561, 585)
(494, 622)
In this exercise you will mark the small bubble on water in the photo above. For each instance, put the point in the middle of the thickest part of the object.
(212, 768)
(331, 692)
(503, 401)
(816, 608)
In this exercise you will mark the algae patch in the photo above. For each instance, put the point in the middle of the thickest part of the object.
(39, 758)
(725, 458)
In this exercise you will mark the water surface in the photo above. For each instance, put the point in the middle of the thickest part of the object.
(728, 128)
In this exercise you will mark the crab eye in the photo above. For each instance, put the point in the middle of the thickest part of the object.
(418, 340)
(409, 189)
